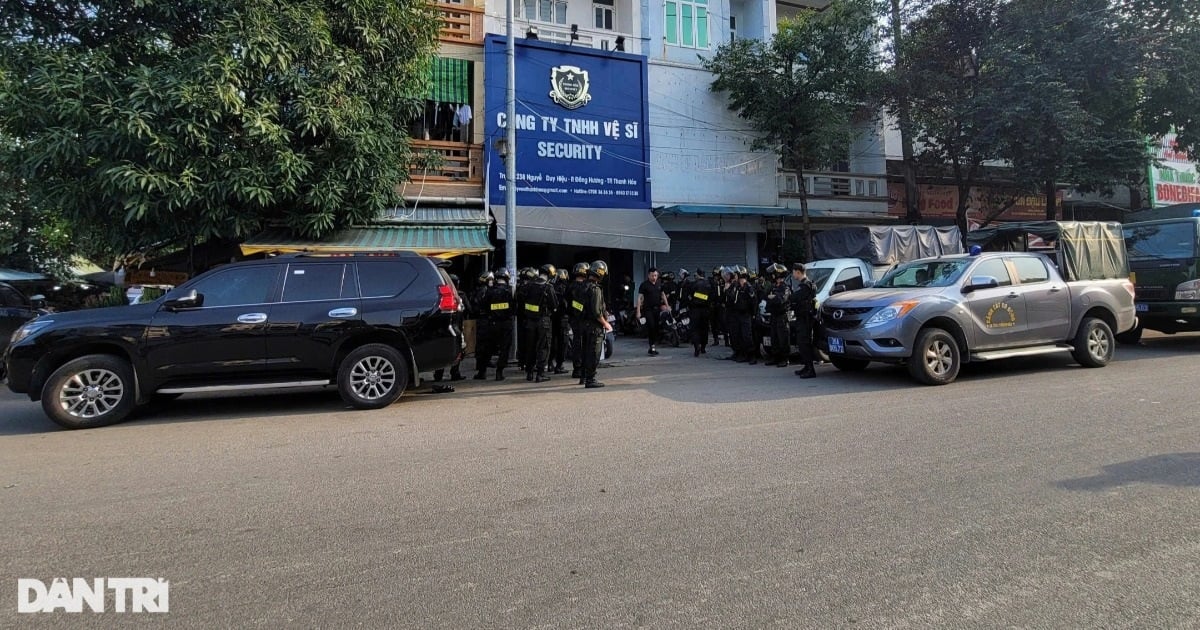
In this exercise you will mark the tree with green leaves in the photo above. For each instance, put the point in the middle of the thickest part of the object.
(949, 54)
(182, 120)
(1071, 86)
(801, 90)
(899, 95)
(30, 239)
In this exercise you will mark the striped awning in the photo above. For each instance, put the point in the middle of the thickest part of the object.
(450, 80)
(435, 215)
(436, 241)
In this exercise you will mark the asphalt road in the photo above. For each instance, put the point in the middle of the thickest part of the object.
(690, 493)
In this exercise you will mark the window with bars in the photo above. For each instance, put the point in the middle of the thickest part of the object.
(548, 11)
(603, 11)
(687, 23)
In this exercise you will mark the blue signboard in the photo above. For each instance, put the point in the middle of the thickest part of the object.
(582, 140)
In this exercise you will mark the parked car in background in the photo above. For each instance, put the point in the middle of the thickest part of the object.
(1164, 256)
(15, 310)
(367, 324)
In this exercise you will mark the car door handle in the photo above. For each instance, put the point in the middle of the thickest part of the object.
(1014, 295)
(343, 312)
(1055, 289)
(252, 318)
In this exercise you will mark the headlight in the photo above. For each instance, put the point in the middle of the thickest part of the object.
(1189, 290)
(30, 328)
(891, 312)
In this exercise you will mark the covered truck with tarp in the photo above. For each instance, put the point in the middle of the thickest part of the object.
(887, 245)
(1082, 250)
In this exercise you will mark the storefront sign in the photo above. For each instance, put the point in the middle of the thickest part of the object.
(1173, 178)
(985, 202)
(581, 126)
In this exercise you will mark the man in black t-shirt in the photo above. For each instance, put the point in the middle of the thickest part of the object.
(650, 302)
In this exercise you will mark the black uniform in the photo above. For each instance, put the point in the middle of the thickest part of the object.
(593, 332)
(577, 293)
(496, 324)
(804, 313)
(699, 304)
(778, 305)
(742, 301)
(522, 342)
(560, 329)
(716, 296)
(538, 304)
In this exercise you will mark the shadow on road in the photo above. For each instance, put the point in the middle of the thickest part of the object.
(1173, 469)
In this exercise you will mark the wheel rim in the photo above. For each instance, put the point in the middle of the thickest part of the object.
(939, 358)
(1098, 343)
(372, 378)
(91, 393)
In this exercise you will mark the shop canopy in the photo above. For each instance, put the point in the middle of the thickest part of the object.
(441, 232)
(603, 228)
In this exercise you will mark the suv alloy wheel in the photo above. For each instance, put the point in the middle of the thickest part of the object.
(372, 377)
(92, 391)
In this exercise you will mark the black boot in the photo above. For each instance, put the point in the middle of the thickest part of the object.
(807, 372)
(703, 349)
(481, 375)
(576, 374)
(542, 378)
(695, 351)
(558, 369)
(500, 374)
(529, 375)
(593, 384)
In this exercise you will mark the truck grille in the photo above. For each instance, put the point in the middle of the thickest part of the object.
(851, 317)
(1154, 294)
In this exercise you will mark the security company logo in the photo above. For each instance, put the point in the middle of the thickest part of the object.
(569, 86)
(135, 595)
(1000, 315)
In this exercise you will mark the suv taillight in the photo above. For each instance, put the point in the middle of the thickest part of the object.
(447, 300)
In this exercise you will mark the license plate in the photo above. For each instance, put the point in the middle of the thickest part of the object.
(1142, 308)
(836, 345)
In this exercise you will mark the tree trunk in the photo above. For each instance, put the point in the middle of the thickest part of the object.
(912, 207)
(808, 242)
(1051, 200)
(960, 213)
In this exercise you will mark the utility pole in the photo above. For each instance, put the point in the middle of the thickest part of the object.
(510, 160)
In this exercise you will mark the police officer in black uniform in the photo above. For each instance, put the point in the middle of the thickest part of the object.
(538, 303)
(525, 280)
(560, 331)
(804, 314)
(577, 295)
(743, 300)
(716, 298)
(594, 324)
(779, 299)
(699, 302)
(497, 324)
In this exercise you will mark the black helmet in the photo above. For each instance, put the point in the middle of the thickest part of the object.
(741, 271)
(777, 270)
(683, 273)
(528, 273)
(563, 275)
(486, 277)
(549, 270)
(667, 276)
(581, 269)
(599, 269)
(717, 271)
(699, 272)
(502, 274)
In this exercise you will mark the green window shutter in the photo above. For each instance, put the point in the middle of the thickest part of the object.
(672, 23)
(451, 81)
(687, 24)
(701, 27)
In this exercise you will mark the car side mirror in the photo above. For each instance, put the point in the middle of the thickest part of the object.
(981, 282)
(837, 288)
(867, 284)
(37, 301)
(191, 299)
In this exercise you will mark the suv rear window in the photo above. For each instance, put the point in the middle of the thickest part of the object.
(384, 279)
(316, 281)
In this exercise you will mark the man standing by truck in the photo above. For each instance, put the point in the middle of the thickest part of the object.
(804, 315)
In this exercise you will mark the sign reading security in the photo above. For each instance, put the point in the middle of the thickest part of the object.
(580, 126)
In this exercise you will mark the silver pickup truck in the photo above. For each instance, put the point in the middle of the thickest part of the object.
(937, 313)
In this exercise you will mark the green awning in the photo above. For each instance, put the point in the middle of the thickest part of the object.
(450, 80)
(437, 241)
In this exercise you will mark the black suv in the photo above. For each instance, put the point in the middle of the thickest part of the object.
(367, 323)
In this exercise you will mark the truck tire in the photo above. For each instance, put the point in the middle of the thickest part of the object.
(372, 377)
(846, 364)
(1093, 343)
(1131, 337)
(935, 359)
(92, 391)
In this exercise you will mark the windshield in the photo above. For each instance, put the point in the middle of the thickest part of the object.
(925, 273)
(1164, 240)
(819, 276)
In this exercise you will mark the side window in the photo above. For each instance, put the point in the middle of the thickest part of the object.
(10, 298)
(384, 279)
(310, 282)
(238, 287)
(994, 268)
(851, 278)
(1030, 270)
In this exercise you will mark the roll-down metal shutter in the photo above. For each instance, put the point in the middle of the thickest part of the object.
(702, 250)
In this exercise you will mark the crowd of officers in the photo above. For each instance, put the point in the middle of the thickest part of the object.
(561, 316)
(725, 304)
(558, 317)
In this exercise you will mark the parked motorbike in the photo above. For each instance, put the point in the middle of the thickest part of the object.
(670, 329)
